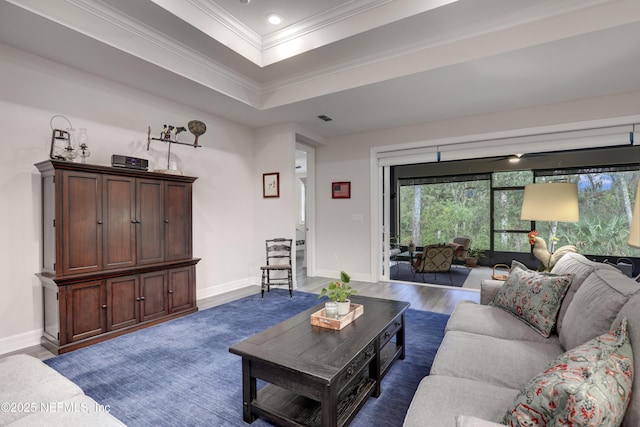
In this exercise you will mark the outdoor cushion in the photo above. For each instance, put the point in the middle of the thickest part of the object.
(589, 385)
(533, 297)
(595, 306)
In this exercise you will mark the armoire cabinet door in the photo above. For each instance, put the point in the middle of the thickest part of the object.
(85, 310)
(81, 230)
(181, 289)
(153, 289)
(149, 221)
(177, 221)
(123, 302)
(119, 223)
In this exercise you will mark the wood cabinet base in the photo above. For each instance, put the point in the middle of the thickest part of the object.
(55, 347)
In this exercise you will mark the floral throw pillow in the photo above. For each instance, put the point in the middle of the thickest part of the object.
(589, 385)
(533, 297)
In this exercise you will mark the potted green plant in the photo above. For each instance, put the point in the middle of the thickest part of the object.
(473, 255)
(339, 292)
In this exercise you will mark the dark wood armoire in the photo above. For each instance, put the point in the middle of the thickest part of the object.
(117, 251)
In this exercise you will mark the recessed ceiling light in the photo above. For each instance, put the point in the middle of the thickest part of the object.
(274, 19)
(245, 1)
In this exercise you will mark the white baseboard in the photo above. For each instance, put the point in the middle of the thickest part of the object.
(336, 275)
(20, 341)
(227, 287)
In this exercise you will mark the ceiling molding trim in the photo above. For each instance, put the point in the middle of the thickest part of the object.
(213, 21)
(331, 32)
(321, 21)
(107, 25)
(213, 11)
(508, 22)
(169, 45)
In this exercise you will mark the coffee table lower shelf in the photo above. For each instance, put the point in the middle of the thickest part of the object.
(286, 407)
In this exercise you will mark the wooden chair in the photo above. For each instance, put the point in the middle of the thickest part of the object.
(278, 270)
(435, 259)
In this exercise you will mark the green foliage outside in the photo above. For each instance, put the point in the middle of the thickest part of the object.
(436, 213)
(445, 211)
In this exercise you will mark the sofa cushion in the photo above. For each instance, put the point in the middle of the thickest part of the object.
(489, 288)
(589, 385)
(470, 421)
(440, 399)
(631, 311)
(533, 297)
(595, 306)
(488, 320)
(507, 363)
(25, 379)
(581, 268)
(79, 411)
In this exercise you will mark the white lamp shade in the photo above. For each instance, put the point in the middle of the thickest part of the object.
(634, 230)
(555, 201)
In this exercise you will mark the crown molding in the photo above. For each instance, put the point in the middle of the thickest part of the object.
(320, 21)
(99, 21)
(532, 15)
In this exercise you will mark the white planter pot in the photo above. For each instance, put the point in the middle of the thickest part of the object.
(343, 307)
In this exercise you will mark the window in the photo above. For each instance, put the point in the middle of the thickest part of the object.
(435, 210)
(486, 208)
(605, 198)
(509, 231)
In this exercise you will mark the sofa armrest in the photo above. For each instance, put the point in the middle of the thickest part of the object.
(489, 289)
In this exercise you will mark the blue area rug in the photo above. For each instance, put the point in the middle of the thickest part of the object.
(403, 272)
(180, 373)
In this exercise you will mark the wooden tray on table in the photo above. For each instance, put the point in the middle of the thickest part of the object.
(319, 319)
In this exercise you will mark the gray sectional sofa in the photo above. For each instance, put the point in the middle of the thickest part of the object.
(488, 355)
(33, 394)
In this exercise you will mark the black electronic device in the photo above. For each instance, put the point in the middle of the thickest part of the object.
(129, 162)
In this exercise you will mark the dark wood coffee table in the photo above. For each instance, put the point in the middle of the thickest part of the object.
(319, 376)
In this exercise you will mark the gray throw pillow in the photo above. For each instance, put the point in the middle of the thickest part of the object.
(533, 297)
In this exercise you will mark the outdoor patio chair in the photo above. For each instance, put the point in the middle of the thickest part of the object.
(461, 247)
(434, 259)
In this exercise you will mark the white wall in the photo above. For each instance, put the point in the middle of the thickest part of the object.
(231, 219)
(345, 244)
(32, 90)
(274, 217)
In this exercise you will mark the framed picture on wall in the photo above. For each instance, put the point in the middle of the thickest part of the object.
(341, 190)
(271, 184)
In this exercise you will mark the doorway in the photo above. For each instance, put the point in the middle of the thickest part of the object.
(305, 210)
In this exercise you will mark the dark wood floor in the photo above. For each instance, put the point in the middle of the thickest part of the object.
(421, 297)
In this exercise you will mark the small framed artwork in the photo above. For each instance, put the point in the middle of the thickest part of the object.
(271, 184)
(341, 190)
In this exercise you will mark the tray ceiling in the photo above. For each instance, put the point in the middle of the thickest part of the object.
(368, 64)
